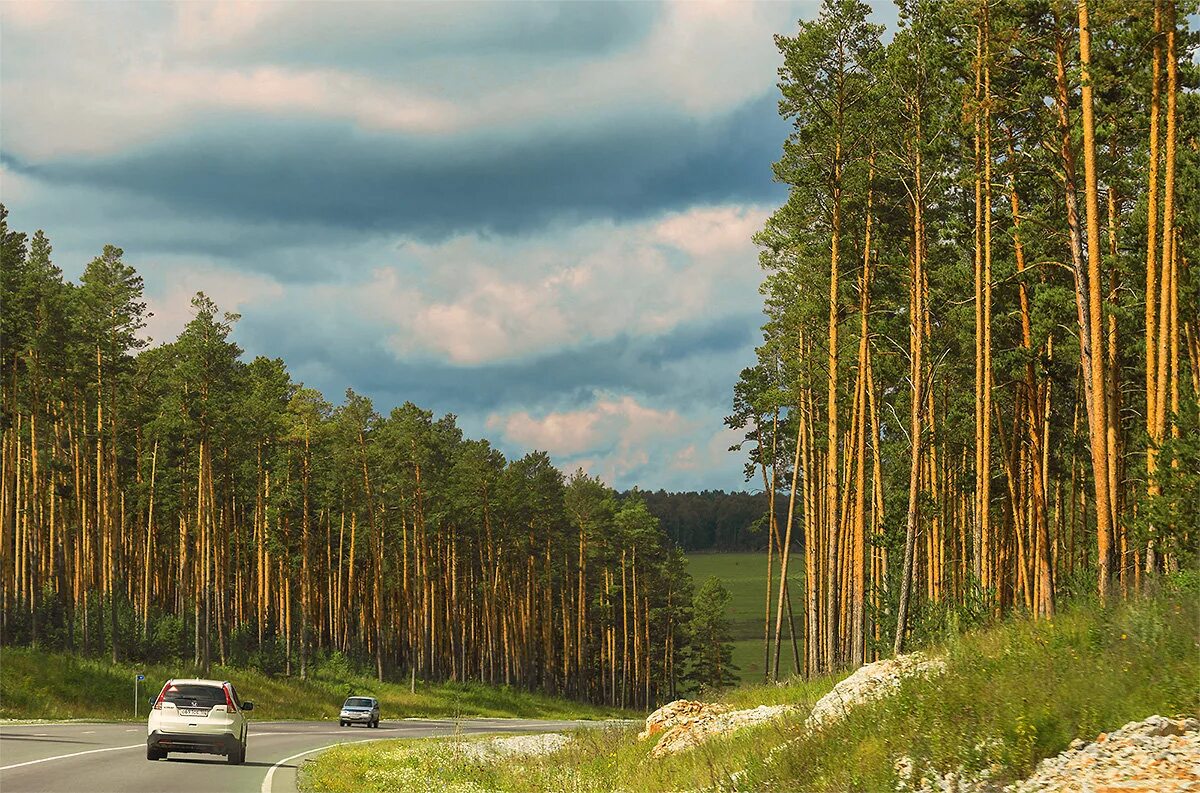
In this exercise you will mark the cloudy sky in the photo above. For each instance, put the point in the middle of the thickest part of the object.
(535, 216)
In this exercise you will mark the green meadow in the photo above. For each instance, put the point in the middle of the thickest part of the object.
(744, 575)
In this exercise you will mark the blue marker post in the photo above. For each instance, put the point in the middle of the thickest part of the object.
(136, 679)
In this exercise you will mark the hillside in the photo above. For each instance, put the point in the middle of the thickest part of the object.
(1011, 694)
(35, 684)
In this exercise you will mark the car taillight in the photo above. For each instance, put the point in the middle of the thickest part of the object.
(229, 706)
(162, 695)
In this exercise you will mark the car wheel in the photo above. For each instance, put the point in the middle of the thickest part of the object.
(237, 756)
(155, 754)
(341, 724)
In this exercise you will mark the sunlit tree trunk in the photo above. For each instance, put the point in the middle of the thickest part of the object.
(1094, 301)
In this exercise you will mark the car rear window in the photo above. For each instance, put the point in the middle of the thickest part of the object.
(359, 702)
(193, 695)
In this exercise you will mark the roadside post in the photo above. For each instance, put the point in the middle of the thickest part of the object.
(136, 679)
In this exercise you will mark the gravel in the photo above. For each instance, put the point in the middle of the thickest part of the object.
(1157, 754)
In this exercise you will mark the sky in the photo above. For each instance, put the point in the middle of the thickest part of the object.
(536, 216)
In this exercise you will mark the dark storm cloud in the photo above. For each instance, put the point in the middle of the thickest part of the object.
(386, 38)
(333, 175)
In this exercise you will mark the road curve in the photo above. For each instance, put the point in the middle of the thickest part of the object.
(110, 757)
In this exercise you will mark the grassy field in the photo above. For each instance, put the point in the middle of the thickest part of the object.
(42, 685)
(1012, 694)
(744, 575)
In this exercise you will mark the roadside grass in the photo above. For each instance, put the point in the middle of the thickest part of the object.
(36, 684)
(595, 761)
(1013, 694)
(793, 691)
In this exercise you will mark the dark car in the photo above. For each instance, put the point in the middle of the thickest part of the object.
(360, 710)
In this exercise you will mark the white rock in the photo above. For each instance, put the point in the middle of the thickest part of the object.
(687, 732)
(869, 683)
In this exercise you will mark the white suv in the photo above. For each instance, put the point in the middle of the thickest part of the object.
(198, 716)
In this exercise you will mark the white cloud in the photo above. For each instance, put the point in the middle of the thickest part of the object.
(321, 93)
(612, 438)
(201, 25)
(627, 442)
(232, 291)
(32, 14)
(485, 299)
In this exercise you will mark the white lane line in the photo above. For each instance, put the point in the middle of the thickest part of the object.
(273, 734)
(270, 777)
(88, 732)
(65, 756)
(266, 785)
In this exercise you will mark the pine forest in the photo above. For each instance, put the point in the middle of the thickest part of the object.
(976, 394)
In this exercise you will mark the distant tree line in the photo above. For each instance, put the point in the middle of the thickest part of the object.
(177, 501)
(713, 520)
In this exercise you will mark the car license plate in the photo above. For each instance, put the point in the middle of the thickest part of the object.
(192, 712)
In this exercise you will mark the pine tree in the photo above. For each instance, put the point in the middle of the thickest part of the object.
(712, 667)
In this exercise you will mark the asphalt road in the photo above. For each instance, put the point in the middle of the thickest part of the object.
(111, 757)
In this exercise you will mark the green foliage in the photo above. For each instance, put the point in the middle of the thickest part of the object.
(713, 520)
(1013, 695)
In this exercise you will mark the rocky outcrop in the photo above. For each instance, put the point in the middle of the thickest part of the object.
(672, 713)
(1157, 755)
(869, 683)
(686, 724)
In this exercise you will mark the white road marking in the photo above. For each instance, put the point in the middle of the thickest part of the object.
(73, 754)
(271, 734)
(269, 778)
(88, 732)
(266, 785)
